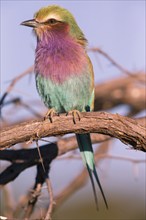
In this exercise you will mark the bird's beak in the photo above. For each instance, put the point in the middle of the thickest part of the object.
(30, 23)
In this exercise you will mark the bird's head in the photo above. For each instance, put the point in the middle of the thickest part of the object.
(55, 18)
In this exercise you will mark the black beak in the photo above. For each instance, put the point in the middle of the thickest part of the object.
(30, 23)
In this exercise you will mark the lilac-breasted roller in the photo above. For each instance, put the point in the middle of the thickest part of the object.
(64, 72)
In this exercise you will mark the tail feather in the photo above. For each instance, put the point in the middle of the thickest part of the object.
(100, 187)
(93, 186)
(85, 146)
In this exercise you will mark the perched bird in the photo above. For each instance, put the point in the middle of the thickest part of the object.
(64, 72)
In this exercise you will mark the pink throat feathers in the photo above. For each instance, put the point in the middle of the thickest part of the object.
(59, 56)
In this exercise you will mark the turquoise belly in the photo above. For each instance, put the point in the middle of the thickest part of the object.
(74, 93)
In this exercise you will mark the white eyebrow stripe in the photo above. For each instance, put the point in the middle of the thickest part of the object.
(52, 16)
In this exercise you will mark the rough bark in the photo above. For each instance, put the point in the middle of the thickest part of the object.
(127, 130)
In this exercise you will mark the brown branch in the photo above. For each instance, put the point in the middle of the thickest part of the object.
(51, 198)
(68, 144)
(125, 129)
(123, 90)
(32, 199)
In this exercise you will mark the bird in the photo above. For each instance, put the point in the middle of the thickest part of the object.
(64, 74)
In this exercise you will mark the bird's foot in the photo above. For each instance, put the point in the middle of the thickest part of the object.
(76, 114)
(50, 114)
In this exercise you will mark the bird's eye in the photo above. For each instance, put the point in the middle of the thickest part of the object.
(52, 21)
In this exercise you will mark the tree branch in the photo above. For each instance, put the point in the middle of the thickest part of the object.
(14, 81)
(123, 90)
(127, 130)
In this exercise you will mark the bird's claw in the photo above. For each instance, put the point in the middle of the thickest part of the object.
(76, 114)
(50, 113)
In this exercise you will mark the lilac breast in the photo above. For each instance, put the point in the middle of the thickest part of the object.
(59, 56)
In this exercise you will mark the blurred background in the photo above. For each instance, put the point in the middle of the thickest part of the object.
(118, 28)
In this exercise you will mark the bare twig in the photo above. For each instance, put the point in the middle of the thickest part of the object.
(108, 156)
(107, 56)
(51, 200)
(33, 196)
(14, 81)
